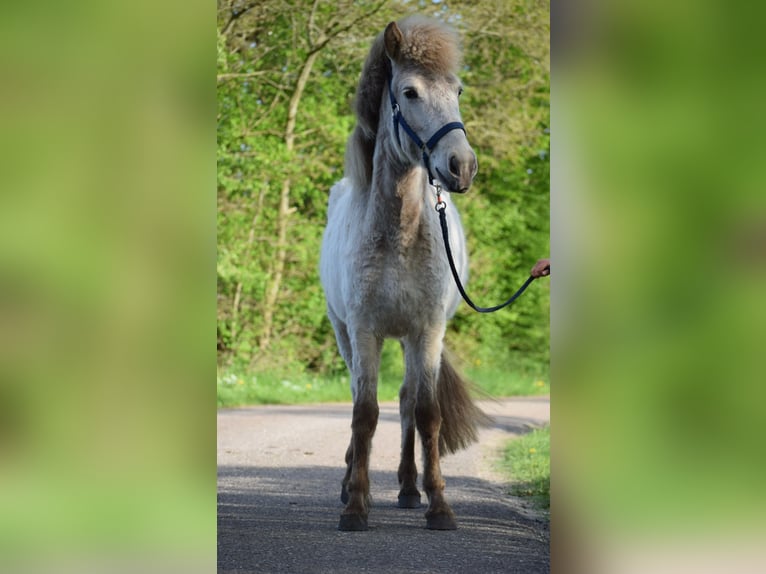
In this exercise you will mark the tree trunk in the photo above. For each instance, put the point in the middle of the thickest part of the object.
(246, 259)
(283, 215)
(277, 271)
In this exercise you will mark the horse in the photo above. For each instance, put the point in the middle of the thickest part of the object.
(383, 268)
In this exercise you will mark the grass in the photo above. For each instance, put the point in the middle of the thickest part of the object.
(239, 387)
(235, 389)
(511, 383)
(269, 389)
(527, 461)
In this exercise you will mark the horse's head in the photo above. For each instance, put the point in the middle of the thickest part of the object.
(423, 94)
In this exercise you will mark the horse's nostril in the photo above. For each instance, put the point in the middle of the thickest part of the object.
(454, 166)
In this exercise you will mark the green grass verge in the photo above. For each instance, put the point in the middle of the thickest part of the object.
(527, 462)
(235, 389)
(272, 389)
(510, 383)
(498, 379)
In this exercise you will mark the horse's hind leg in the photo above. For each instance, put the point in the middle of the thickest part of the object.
(439, 515)
(344, 345)
(366, 351)
(409, 496)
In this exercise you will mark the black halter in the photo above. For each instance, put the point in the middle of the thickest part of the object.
(427, 147)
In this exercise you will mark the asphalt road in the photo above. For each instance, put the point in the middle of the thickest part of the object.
(279, 473)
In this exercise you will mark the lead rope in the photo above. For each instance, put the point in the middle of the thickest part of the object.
(441, 208)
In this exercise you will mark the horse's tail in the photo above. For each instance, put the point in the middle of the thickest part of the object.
(461, 418)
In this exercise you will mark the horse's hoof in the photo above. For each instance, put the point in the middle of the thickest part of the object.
(441, 522)
(352, 523)
(409, 500)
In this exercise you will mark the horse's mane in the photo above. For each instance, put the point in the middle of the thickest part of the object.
(427, 44)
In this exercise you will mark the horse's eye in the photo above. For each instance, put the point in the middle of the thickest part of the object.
(459, 92)
(410, 93)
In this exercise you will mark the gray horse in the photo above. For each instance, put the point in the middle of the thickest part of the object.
(383, 266)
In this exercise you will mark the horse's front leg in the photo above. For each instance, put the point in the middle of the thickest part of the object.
(409, 496)
(356, 484)
(439, 515)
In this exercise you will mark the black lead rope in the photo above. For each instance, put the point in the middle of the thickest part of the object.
(441, 207)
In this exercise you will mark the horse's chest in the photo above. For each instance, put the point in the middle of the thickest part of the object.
(400, 292)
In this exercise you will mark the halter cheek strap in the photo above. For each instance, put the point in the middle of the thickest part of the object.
(427, 147)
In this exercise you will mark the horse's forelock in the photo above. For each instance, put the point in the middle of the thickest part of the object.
(429, 45)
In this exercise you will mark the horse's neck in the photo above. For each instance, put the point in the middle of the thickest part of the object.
(397, 203)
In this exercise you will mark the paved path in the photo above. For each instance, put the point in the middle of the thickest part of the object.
(279, 473)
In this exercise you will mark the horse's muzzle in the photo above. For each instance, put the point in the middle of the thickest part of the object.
(461, 173)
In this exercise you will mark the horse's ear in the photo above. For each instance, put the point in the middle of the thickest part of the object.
(393, 40)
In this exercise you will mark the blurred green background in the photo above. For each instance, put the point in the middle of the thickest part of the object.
(659, 295)
(107, 287)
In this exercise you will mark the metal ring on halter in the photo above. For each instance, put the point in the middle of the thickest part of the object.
(440, 203)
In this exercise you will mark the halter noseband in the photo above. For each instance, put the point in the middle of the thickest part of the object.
(427, 147)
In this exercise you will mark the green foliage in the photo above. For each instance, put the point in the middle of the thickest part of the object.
(271, 311)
